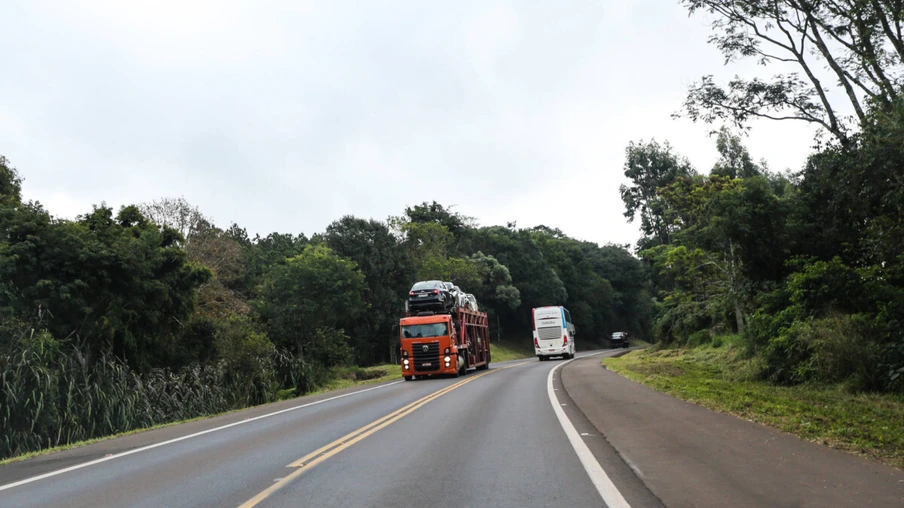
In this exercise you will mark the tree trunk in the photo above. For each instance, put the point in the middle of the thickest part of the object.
(739, 316)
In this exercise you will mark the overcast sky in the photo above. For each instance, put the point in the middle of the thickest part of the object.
(284, 116)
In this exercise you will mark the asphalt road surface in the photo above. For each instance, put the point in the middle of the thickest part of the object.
(509, 436)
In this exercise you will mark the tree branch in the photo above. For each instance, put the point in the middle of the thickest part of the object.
(842, 79)
(817, 85)
(895, 37)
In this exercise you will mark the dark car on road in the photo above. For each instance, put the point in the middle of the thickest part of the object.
(429, 295)
(619, 339)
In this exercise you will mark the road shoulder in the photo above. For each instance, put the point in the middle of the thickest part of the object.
(625, 479)
(690, 456)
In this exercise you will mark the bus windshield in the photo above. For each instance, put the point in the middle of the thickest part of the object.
(428, 330)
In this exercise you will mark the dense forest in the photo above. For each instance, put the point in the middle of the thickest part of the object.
(806, 266)
(152, 313)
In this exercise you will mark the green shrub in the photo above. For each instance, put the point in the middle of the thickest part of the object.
(699, 338)
(829, 350)
(286, 394)
(330, 348)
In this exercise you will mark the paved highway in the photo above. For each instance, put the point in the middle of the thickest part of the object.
(509, 436)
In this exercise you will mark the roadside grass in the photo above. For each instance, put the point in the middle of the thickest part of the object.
(69, 446)
(346, 377)
(721, 379)
(639, 343)
(505, 350)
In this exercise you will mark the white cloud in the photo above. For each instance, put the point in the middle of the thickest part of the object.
(283, 116)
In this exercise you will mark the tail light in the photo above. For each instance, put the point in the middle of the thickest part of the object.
(411, 293)
(564, 340)
(536, 342)
(436, 291)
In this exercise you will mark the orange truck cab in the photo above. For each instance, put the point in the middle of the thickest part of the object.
(443, 343)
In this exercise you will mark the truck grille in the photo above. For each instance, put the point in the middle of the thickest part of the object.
(425, 360)
(550, 333)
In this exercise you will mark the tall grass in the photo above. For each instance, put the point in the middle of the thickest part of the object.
(50, 396)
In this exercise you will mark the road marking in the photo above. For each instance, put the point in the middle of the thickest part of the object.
(323, 453)
(342, 440)
(183, 438)
(610, 494)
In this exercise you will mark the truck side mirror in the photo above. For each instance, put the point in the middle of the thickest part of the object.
(395, 331)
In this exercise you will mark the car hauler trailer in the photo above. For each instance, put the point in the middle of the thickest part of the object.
(443, 343)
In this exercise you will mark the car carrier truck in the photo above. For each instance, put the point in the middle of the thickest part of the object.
(443, 342)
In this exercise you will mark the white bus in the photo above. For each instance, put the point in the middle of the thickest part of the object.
(553, 332)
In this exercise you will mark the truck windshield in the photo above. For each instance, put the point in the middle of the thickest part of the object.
(429, 330)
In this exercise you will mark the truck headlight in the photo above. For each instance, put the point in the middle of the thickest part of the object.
(447, 359)
(406, 362)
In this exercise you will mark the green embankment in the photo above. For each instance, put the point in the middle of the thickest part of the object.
(344, 377)
(723, 380)
(511, 349)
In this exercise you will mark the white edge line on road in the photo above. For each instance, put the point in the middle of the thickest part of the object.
(610, 494)
(183, 438)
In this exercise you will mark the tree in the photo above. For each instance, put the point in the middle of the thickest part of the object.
(537, 283)
(264, 252)
(225, 258)
(428, 246)
(651, 166)
(313, 290)
(10, 184)
(734, 159)
(860, 42)
(630, 279)
(389, 274)
(177, 214)
(436, 213)
(116, 284)
(495, 288)
(852, 197)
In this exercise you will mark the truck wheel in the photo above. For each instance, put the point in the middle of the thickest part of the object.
(485, 366)
(408, 378)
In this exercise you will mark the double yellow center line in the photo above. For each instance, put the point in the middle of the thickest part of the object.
(321, 454)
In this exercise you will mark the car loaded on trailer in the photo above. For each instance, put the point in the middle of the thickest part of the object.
(430, 295)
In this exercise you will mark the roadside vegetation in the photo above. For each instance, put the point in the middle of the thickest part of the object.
(127, 319)
(780, 295)
(503, 351)
(721, 377)
(806, 265)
